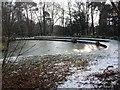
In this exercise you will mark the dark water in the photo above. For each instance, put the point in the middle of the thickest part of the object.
(49, 47)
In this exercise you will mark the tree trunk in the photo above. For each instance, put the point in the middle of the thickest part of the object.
(92, 24)
(44, 28)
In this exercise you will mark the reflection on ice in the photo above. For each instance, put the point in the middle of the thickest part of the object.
(88, 48)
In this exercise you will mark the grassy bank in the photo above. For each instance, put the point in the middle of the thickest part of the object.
(41, 72)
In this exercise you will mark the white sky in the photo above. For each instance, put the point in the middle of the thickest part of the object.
(64, 5)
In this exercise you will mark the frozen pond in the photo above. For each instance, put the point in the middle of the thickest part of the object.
(36, 47)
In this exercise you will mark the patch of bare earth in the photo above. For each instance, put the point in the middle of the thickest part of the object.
(41, 72)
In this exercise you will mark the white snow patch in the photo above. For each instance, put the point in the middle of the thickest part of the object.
(103, 59)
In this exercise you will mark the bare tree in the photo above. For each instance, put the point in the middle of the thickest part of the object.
(92, 18)
(13, 12)
(115, 7)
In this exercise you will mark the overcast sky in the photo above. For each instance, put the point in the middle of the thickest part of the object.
(64, 3)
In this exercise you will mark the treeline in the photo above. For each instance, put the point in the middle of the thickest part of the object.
(26, 19)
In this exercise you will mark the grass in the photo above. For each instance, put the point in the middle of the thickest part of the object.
(107, 79)
(41, 72)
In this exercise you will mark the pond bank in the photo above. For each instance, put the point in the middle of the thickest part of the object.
(65, 39)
